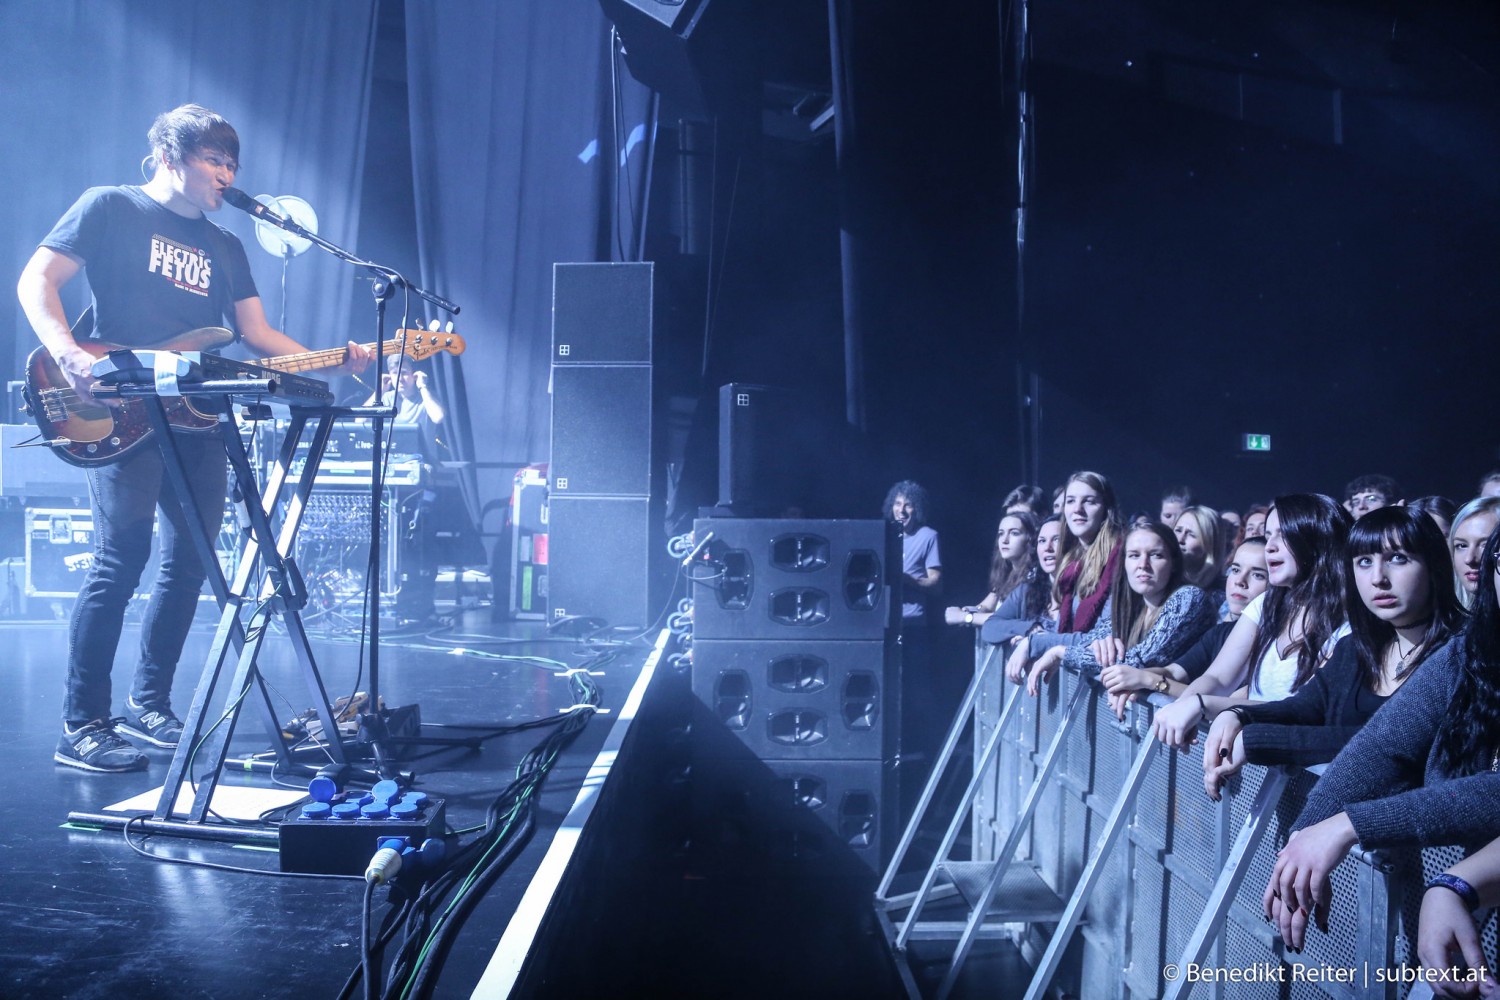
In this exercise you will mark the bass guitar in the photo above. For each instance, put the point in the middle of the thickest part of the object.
(84, 432)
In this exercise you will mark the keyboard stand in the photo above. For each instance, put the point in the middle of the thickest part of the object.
(203, 748)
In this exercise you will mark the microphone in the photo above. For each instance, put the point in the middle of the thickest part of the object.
(245, 203)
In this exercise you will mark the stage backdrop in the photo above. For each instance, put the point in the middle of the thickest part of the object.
(85, 78)
(515, 167)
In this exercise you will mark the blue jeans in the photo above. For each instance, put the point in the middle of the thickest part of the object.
(125, 498)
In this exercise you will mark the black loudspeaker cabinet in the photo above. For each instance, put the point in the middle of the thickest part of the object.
(601, 430)
(812, 818)
(770, 448)
(802, 700)
(601, 314)
(599, 558)
(795, 579)
(677, 15)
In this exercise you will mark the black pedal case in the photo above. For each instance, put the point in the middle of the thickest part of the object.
(344, 847)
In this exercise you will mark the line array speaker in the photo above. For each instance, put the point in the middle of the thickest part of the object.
(796, 580)
(599, 496)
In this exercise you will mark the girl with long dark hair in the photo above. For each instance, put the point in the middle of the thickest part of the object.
(1155, 614)
(1029, 607)
(1286, 633)
(1402, 608)
(1013, 563)
(1424, 771)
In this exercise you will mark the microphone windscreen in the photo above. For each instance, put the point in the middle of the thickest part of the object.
(240, 200)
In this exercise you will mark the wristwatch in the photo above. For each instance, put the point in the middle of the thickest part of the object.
(968, 618)
(1162, 686)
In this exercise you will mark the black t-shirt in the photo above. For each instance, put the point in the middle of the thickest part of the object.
(1197, 660)
(154, 273)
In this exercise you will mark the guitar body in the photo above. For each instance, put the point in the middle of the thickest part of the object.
(87, 433)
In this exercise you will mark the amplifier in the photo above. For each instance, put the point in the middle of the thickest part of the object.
(403, 471)
(333, 542)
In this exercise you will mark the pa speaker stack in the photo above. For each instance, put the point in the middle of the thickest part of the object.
(600, 491)
(795, 682)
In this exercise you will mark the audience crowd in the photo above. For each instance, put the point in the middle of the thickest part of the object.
(1361, 633)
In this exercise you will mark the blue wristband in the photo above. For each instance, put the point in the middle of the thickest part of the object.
(1453, 883)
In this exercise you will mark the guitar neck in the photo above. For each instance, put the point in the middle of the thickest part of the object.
(330, 358)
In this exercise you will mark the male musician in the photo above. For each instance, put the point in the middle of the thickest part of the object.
(157, 268)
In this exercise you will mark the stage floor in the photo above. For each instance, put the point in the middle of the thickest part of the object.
(86, 916)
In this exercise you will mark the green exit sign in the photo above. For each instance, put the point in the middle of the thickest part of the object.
(1257, 442)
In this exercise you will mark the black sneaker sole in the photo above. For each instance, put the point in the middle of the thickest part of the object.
(127, 729)
(84, 766)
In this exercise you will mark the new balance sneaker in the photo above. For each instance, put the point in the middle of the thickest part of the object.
(157, 726)
(97, 747)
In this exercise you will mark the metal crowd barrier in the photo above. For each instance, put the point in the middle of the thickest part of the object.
(1165, 917)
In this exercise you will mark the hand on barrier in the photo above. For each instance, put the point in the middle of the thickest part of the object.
(1119, 702)
(1108, 652)
(1118, 678)
(1176, 725)
(1043, 668)
(1019, 662)
(1300, 884)
(1446, 933)
(1223, 753)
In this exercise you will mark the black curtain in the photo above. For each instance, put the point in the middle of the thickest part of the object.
(85, 78)
(518, 128)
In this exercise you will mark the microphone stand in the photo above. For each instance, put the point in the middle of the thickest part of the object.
(372, 722)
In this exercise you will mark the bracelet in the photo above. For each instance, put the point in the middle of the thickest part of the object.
(1452, 882)
(1240, 713)
(1202, 705)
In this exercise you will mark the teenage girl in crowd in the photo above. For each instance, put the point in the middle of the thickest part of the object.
(1245, 580)
(1286, 633)
(1013, 565)
(1088, 561)
(1472, 524)
(1440, 509)
(1255, 520)
(1024, 500)
(1401, 609)
(1155, 614)
(1423, 772)
(1200, 533)
(1029, 607)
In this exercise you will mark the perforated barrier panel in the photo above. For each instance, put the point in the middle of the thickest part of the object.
(1156, 885)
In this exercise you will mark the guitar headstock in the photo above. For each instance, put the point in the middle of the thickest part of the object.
(423, 344)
